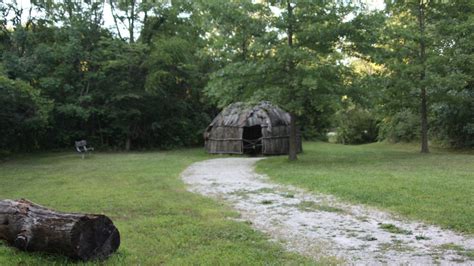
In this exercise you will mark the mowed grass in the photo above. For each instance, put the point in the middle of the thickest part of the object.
(437, 188)
(159, 221)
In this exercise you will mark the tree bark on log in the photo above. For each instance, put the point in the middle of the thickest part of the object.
(31, 227)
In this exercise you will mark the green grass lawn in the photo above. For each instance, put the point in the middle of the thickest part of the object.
(437, 188)
(159, 221)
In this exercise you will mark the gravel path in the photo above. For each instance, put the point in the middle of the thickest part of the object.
(321, 225)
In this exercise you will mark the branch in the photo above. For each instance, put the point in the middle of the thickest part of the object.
(112, 8)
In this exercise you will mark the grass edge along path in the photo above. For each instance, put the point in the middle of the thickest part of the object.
(159, 221)
(436, 188)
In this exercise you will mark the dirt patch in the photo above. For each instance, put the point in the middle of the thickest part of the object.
(319, 225)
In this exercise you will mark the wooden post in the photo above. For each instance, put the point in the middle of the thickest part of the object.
(31, 227)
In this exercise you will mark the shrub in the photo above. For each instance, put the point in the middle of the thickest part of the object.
(453, 121)
(355, 125)
(24, 116)
(402, 126)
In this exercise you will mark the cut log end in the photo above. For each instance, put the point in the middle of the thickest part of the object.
(21, 242)
(95, 237)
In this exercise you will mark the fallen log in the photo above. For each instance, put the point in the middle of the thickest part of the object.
(31, 227)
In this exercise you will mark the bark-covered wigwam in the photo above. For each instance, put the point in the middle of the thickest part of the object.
(31, 227)
(259, 129)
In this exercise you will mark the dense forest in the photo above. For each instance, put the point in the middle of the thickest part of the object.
(158, 75)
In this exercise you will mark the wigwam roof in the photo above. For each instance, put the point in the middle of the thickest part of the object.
(243, 115)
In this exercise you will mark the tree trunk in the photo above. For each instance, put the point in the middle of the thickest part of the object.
(31, 227)
(424, 123)
(131, 22)
(293, 149)
(128, 143)
(423, 96)
(114, 16)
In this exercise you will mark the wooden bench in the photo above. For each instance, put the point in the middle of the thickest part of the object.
(81, 147)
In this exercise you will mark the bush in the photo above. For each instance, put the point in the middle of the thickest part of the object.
(24, 116)
(402, 126)
(355, 125)
(454, 121)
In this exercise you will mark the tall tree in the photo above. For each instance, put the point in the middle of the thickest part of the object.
(291, 69)
(295, 62)
(453, 109)
(420, 15)
(415, 54)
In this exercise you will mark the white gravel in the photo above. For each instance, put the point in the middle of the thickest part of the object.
(321, 225)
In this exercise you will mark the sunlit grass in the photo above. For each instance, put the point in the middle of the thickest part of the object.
(159, 221)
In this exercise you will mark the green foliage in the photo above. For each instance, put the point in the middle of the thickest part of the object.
(236, 29)
(401, 126)
(24, 115)
(395, 177)
(160, 85)
(423, 46)
(303, 75)
(355, 125)
(113, 93)
(454, 121)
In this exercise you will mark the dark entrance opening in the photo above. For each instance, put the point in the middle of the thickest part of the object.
(252, 138)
